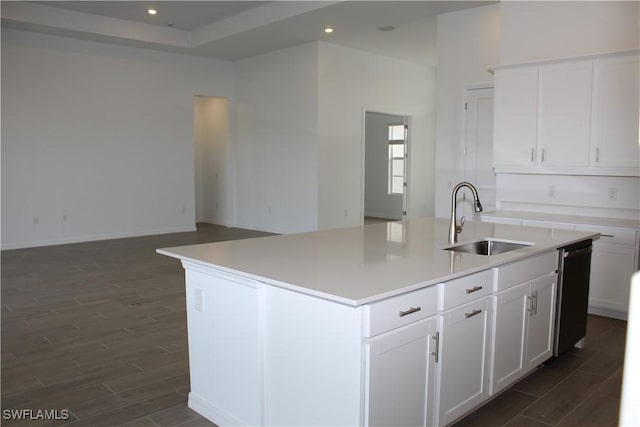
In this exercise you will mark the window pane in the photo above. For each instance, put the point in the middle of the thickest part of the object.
(397, 167)
(397, 184)
(396, 133)
(397, 150)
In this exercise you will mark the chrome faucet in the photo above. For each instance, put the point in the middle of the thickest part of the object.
(454, 228)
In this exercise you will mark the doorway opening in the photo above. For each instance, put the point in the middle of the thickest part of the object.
(385, 166)
(211, 151)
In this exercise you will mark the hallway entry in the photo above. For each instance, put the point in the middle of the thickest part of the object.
(386, 159)
(211, 154)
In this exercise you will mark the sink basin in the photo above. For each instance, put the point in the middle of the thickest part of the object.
(489, 247)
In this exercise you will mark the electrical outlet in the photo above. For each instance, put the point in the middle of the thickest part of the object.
(198, 300)
(612, 194)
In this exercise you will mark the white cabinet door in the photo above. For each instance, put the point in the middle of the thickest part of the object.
(509, 334)
(400, 376)
(613, 261)
(611, 269)
(463, 364)
(571, 116)
(615, 112)
(564, 114)
(541, 320)
(515, 116)
(523, 331)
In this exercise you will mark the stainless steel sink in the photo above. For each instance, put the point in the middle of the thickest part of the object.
(489, 247)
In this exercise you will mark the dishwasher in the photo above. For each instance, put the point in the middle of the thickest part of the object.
(574, 268)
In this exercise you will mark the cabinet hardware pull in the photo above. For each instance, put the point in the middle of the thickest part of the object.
(411, 310)
(533, 154)
(535, 306)
(543, 155)
(473, 313)
(530, 305)
(474, 289)
(597, 155)
(606, 235)
(436, 354)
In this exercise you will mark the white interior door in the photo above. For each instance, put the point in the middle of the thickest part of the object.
(478, 150)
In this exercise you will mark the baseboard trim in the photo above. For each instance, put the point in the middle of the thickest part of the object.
(92, 238)
(212, 413)
(615, 314)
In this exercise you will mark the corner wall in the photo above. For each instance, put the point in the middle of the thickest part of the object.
(97, 139)
(468, 43)
(275, 148)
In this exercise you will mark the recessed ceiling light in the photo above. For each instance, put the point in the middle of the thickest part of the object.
(152, 11)
(386, 28)
(328, 30)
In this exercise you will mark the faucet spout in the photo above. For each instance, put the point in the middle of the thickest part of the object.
(454, 228)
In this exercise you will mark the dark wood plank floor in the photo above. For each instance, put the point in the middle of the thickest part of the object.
(581, 388)
(98, 329)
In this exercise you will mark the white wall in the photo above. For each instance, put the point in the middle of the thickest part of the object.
(378, 202)
(351, 81)
(468, 43)
(538, 30)
(212, 160)
(97, 139)
(275, 149)
(300, 134)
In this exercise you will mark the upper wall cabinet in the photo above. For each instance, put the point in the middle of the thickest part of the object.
(564, 114)
(616, 94)
(568, 117)
(515, 112)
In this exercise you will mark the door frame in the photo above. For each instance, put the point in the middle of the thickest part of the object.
(469, 95)
(407, 165)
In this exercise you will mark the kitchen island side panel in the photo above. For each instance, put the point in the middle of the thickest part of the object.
(224, 319)
(262, 355)
(313, 360)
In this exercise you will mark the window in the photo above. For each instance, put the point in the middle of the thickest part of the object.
(396, 159)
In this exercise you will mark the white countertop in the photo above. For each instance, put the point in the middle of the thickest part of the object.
(570, 219)
(359, 265)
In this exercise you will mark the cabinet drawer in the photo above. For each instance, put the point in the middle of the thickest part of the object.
(398, 311)
(612, 235)
(465, 289)
(522, 271)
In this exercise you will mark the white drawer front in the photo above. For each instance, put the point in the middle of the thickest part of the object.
(612, 235)
(465, 289)
(522, 271)
(398, 311)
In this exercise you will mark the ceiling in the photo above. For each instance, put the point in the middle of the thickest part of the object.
(233, 30)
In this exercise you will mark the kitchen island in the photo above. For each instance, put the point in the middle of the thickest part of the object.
(371, 325)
